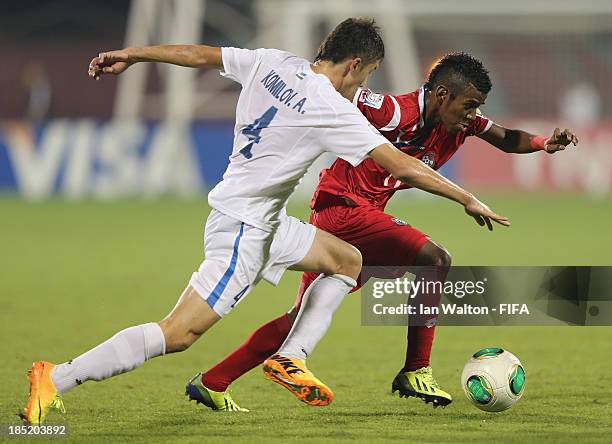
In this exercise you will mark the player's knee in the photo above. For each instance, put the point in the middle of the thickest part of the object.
(442, 258)
(350, 263)
(434, 254)
(178, 338)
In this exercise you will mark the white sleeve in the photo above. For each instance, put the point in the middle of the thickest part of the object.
(238, 63)
(353, 137)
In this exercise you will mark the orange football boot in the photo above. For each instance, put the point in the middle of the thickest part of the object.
(292, 374)
(43, 394)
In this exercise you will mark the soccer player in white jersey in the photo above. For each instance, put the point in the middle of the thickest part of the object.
(289, 112)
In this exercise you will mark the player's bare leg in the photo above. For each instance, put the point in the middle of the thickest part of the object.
(125, 351)
(189, 319)
(340, 264)
(416, 379)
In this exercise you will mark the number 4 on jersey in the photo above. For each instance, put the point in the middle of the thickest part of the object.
(252, 131)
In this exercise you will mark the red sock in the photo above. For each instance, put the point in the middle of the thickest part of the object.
(420, 337)
(262, 343)
(420, 341)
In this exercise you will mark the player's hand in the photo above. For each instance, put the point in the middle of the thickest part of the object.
(111, 62)
(559, 140)
(483, 215)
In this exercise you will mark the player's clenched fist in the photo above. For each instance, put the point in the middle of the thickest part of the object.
(559, 140)
(111, 62)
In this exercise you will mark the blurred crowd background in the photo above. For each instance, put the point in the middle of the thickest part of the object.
(161, 130)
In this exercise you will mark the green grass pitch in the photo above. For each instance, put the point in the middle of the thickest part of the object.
(72, 274)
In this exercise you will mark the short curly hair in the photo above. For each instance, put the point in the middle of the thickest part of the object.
(354, 37)
(458, 70)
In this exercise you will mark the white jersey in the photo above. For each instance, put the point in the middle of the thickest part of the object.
(287, 115)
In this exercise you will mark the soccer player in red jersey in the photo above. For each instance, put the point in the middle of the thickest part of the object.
(430, 124)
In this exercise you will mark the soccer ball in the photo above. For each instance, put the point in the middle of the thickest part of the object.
(493, 379)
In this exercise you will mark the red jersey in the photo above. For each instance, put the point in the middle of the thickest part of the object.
(399, 119)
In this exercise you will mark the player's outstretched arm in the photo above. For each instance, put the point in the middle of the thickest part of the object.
(415, 173)
(521, 142)
(192, 56)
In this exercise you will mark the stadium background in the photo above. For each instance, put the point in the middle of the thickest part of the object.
(102, 206)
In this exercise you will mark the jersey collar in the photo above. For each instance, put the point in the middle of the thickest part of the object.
(421, 101)
(422, 106)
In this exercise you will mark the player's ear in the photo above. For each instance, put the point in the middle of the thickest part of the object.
(442, 93)
(356, 64)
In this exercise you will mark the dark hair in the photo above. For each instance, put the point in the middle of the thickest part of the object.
(354, 37)
(458, 70)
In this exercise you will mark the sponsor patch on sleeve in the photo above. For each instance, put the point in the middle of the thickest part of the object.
(373, 100)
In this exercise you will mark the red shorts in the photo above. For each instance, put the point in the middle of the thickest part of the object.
(383, 240)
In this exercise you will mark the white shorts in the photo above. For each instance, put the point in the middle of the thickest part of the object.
(238, 256)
